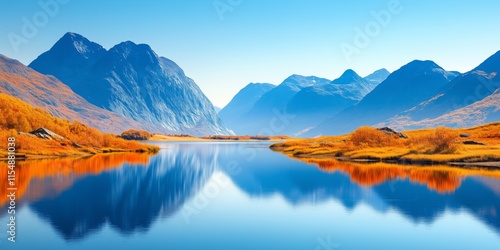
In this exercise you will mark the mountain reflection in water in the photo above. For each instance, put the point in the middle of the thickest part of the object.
(131, 191)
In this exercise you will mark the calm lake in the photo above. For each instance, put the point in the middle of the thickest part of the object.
(245, 196)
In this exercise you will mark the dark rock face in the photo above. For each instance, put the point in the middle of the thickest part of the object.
(131, 80)
(472, 143)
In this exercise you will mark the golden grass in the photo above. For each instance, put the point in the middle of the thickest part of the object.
(17, 118)
(439, 145)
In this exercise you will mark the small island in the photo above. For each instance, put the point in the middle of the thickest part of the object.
(477, 146)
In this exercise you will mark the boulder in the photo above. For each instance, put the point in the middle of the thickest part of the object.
(391, 131)
(473, 143)
(47, 134)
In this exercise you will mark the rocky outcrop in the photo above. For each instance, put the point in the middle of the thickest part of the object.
(47, 134)
(391, 131)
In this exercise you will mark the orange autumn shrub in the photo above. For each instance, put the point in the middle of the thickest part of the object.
(133, 134)
(441, 140)
(444, 140)
(372, 137)
(17, 116)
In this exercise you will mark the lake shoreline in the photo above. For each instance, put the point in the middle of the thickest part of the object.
(493, 164)
(466, 147)
(30, 156)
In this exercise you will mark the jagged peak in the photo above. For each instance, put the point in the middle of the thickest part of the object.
(81, 44)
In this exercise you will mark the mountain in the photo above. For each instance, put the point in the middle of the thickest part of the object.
(378, 76)
(351, 82)
(278, 97)
(52, 95)
(484, 111)
(242, 102)
(70, 59)
(298, 104)
(269, 115)
(408, 86)
(465, 89)
(316, 103)
(132, 80)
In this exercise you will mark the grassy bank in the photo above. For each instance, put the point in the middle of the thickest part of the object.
(18, 118)
(438, 145)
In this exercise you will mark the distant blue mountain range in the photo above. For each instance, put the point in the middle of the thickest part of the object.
(419, 94)
(297, 104)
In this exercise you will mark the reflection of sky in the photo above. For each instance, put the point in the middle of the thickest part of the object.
(256, 209)
(272, 223)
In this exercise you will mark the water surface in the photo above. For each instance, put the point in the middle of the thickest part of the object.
(244, 196)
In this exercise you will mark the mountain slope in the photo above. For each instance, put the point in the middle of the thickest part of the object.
(403, 89)
(377, 77)
(50, 94)
(484, 111)
(69, 59)
(278, 97)
(300, 103)
(269, 115)
(242, 102)
(463, 90)
(131, 80)
(316, 103)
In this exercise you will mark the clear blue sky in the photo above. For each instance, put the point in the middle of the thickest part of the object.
(267, 40)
